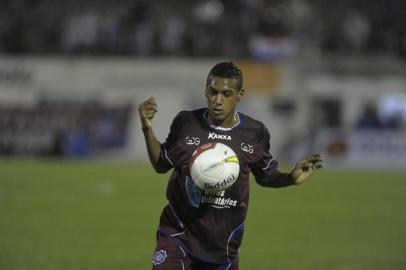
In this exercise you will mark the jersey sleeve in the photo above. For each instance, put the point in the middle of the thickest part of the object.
(166, 158)
(265, 164)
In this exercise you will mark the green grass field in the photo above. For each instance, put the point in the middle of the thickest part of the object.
(92, 215)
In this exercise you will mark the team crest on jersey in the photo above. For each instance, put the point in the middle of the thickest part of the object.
(213, 135)
(192, 140)
(159, 257)
(247, 148)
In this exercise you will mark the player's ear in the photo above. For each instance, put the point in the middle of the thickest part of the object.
(240, 94)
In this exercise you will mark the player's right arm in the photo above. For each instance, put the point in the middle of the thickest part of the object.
(159, 153)
(147, 110)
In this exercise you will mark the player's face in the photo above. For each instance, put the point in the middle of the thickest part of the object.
(222, 97)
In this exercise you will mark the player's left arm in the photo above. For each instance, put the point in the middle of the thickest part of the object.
(265, 169)
(271, 177)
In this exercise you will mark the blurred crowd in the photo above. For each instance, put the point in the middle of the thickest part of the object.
(62, 129)
(263, 29)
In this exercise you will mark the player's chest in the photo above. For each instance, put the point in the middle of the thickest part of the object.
(243, 147)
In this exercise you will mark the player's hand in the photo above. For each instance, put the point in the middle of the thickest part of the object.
(306, 167)
(147, 110)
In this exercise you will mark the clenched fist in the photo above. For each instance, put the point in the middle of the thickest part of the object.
(147, 110)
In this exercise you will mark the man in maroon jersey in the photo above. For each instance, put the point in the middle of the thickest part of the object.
(203, 229)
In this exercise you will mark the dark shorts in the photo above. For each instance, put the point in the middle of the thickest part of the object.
(169, 256)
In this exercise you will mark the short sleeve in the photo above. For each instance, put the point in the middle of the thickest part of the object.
(266, 163)
(166, 161)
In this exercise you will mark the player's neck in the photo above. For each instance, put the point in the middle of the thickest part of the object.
(229, 122)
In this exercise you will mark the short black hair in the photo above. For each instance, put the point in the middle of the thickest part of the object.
(226, 70)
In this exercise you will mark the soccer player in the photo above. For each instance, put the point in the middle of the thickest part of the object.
(203, 230)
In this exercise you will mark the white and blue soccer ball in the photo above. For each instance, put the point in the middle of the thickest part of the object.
(214, 167)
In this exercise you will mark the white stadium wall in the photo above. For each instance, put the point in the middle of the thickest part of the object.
(179, 85)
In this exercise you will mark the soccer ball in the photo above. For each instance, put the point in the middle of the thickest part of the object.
(214, 166)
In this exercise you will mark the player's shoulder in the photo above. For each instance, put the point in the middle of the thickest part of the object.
(251, 123)
(253, 126)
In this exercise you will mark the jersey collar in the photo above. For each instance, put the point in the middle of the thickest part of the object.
(239, 122)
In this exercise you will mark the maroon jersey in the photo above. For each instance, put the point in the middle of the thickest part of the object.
(209, 225)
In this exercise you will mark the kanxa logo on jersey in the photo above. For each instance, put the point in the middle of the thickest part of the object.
(213, 136)
(220, 184)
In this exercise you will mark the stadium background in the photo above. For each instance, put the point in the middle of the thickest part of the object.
(76, 191)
